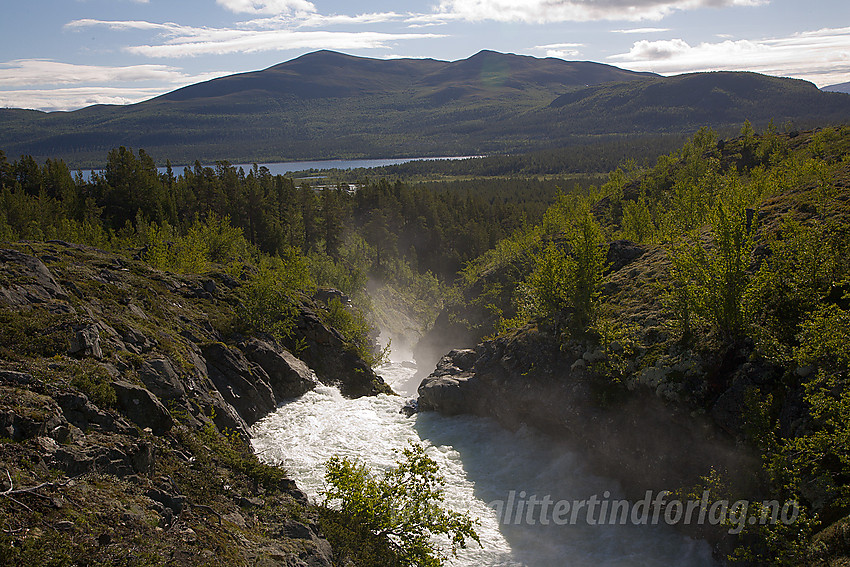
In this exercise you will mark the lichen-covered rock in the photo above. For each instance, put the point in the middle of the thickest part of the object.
(142, 407)
(31, 281)
(86, 342)
(160, 378)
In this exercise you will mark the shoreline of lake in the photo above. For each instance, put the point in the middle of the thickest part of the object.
(282, 168)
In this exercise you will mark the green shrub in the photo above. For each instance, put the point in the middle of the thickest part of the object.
(352, 324)
(562, 281)
(710, 281)
(404, 506)
(33, 332)
(94, 381)
(270, 297)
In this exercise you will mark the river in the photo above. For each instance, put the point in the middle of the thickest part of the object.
(482, 463)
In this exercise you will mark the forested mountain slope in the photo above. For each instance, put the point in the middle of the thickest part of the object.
(330, 105)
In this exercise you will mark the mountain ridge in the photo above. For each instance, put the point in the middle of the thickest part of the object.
(326, 104)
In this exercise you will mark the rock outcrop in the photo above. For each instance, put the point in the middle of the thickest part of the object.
(288, 376)
(640, 440)
(114, 380)
(324, 350)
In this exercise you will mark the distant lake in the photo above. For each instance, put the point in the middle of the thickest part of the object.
(282, 168)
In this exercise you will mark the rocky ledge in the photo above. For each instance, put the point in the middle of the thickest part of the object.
(126, 400)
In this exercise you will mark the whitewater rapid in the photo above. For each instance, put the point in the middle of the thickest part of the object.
(482, 463)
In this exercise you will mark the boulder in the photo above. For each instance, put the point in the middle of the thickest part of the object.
(17, 427)
(142, 407)
(121, 460)
(243, 385)
(621, 253)
(288, 376)
(160, 378)
(449, 395)
(81, 413)
(16, 378)
(86, 342)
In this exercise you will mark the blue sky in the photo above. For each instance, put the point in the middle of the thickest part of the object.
(66, 54)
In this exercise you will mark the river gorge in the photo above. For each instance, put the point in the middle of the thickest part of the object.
(488, 470)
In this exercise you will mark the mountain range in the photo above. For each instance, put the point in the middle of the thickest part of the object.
(330, 105)
(839, 88)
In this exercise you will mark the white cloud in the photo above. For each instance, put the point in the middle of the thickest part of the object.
(315, 20)
(24, 72)
(560, 50)
(92, 84)
(221, 42)
(821, 56)
(74, 97)
(543, 11)
(116, 25)
(642, 30)
(267, 6)
(186, 41)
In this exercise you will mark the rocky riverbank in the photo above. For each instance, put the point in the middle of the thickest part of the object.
(126, 397)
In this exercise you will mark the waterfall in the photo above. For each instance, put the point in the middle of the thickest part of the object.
(483, 464)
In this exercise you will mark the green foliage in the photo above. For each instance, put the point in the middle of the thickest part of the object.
(710, 282)
(823, 452)
(95, 382)
(330, 272)
(568, 279)
(33, 332)
(804, 264)
(357, 332)
(404, 505)
(619, 344)
(551, 284)
(212, 240)
(637, 224)
(354, 544)
(270, 296)
(235, 452)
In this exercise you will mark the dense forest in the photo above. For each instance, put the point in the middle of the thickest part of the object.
(435, 227)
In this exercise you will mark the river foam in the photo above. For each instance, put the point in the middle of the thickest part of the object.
(482, 463)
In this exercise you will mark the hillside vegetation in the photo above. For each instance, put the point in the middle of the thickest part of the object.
(716, 281)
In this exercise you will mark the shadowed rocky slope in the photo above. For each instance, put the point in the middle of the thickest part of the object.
(124, 417)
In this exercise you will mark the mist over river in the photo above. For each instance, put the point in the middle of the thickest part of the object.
(482, 463)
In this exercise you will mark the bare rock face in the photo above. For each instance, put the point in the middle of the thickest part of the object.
(31, 283)
(160, 378)
(86, 342)
(243, 385)
(142, 407)
(327, 354)
(288, 376)
(448, 389)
